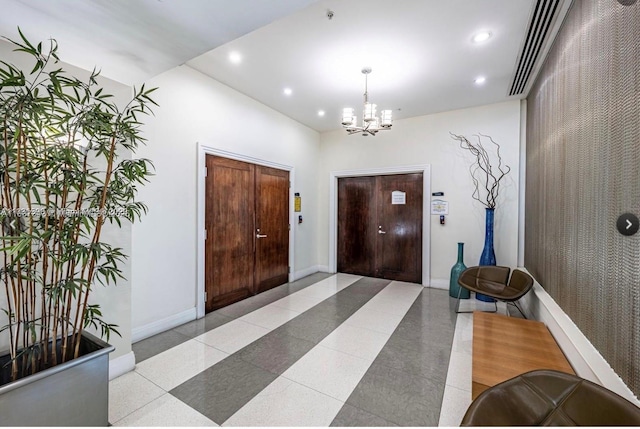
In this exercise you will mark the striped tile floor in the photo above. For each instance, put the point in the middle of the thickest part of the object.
(327, 350)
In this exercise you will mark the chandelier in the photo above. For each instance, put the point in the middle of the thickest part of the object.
(371, 123)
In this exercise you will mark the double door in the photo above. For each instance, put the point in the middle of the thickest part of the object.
(247, 224)
(380, 226)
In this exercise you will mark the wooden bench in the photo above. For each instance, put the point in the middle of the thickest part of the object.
(505, 347)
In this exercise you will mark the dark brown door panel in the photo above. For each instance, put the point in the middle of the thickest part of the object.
(229, 248)
(272, 228)
(377, 237)
(241, 261)
(399, 253)
(356, 225)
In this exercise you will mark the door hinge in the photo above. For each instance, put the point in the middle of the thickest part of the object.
(289, 183)
(206, 171)
(289, 227)
(206, 296)
(205, 234)
(289, 270)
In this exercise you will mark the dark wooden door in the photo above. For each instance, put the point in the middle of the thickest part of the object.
(229, 221)
(379, 235)
(399, 246)
(272, 228)
(357, 225)
(242, 198)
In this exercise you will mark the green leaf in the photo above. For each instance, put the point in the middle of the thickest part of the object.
(43, 168)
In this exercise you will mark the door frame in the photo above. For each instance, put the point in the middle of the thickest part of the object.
(425, 169)
(203, 151)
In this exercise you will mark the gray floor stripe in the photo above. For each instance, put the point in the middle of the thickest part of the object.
(152, 346)
(221, 390)
(405, 384)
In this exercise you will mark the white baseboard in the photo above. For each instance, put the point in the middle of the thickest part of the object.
(121, 365)
(439, 283)
(306, 272)
(323, 268)
(162, 325)
(585, 359)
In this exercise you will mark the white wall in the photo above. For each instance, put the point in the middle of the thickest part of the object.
(426, 140)
(195, 108)
(115, 301)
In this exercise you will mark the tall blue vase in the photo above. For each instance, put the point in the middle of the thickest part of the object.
(456, 270)
(488, 256)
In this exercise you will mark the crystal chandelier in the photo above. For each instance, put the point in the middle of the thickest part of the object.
(371, 124)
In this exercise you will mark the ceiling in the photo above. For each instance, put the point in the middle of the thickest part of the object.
(134, 40)
(421, 51)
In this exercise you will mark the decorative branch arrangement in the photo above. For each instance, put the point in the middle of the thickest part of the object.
(486, 177)
(64, 172)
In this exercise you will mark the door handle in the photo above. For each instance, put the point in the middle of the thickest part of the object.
(380, 231)
(258, 235)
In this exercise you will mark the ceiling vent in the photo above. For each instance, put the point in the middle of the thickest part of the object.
(537, 34)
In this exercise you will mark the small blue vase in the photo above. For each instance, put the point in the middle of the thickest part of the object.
(488, 256)
(456, 270)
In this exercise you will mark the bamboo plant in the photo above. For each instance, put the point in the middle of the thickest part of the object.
(65, 171)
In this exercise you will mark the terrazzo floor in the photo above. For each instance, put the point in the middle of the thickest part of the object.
(327, 350)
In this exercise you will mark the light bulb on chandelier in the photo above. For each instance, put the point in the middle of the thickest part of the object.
(371, 124)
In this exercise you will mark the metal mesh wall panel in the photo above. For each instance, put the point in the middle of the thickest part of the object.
(583, 171)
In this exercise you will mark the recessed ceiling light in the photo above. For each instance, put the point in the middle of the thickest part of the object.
(320, 112)
(481, 37)
(235, 57)
(480, 80)
(287, 91)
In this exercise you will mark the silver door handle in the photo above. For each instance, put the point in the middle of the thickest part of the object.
(380, 231)
(261, 235)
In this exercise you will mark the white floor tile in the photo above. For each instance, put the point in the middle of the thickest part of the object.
(401, 288)
(459, 373)
(343, 280)
(232, 336)
(129, 392)
(286, 403)
(359, 342)
(464, 324)
(178, 364)
(374, 320)
(299, 303)
(323, 292)
(270, 316)
(454, 405)
(473, 304)
(398, 305)
(328, 371)
(502, 308)
(463, 335)
(335, 283)
(166, 411)
(457, 391)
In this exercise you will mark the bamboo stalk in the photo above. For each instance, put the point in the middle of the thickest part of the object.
(56, 306)
(19, 287)
(67, 335)
(96, 237)
(46, 306)
(11, 293)
(31, 282)
(78, 317)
